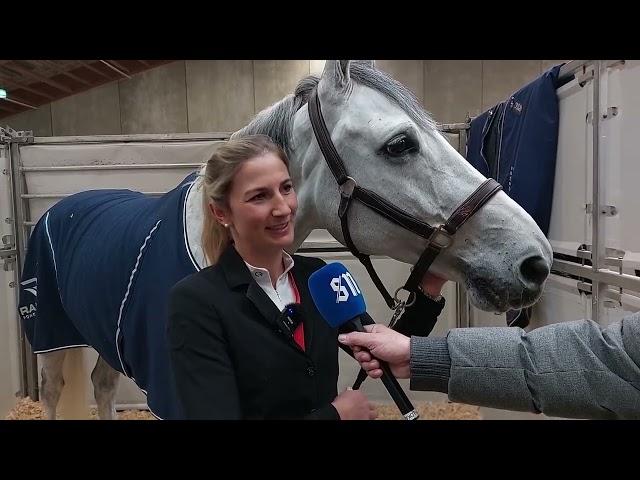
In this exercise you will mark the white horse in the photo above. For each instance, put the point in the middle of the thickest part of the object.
(391, 146)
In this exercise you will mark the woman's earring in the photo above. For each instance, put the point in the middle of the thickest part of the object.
(225, 225)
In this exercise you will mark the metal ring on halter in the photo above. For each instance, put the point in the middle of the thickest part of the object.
(407, 303)
(347, 187)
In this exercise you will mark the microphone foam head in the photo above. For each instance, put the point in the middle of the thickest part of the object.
(336, 294)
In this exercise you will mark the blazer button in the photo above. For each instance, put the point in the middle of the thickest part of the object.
(311, 371)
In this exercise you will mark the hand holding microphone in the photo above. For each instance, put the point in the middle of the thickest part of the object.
(380, 343)
(341, 303)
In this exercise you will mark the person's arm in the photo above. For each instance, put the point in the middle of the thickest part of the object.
(573, 369)
(203, 372)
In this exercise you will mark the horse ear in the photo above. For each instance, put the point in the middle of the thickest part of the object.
(336, 73)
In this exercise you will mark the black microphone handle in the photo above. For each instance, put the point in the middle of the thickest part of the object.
(391, 383)
(362, 376)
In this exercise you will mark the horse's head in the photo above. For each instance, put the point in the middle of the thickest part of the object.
(391, 146)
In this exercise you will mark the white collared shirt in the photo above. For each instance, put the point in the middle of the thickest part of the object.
(284, 293)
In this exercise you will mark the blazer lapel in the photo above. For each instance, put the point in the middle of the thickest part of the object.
(238, 276)
(269, 312)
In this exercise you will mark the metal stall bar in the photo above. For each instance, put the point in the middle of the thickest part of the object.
(64, 195)
(143, 138)
(28, 222)
(28, 362)
(10, 254)
(117, 166)
(454, 128)
(571, 68)
(574, 270)
(597, 227)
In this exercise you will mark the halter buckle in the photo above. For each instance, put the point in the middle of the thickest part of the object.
(440, 238)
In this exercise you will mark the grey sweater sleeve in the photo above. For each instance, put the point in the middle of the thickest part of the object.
(572, 369)
(430, 364)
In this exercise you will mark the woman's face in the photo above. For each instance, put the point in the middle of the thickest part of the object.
(261, 205)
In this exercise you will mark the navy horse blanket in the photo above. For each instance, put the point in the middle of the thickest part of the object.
(515, 143)
(97, 273)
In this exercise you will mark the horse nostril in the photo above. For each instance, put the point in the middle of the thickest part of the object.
(534, 269)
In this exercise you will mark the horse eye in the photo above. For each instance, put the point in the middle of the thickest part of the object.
(400, 145)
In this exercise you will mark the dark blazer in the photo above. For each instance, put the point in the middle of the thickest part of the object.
(231, 361)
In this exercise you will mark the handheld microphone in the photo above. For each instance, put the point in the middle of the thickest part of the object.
(341, 303)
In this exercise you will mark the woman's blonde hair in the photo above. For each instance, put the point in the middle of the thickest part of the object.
(218, 177)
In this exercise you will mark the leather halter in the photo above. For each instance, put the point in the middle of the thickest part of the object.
(438, 238)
